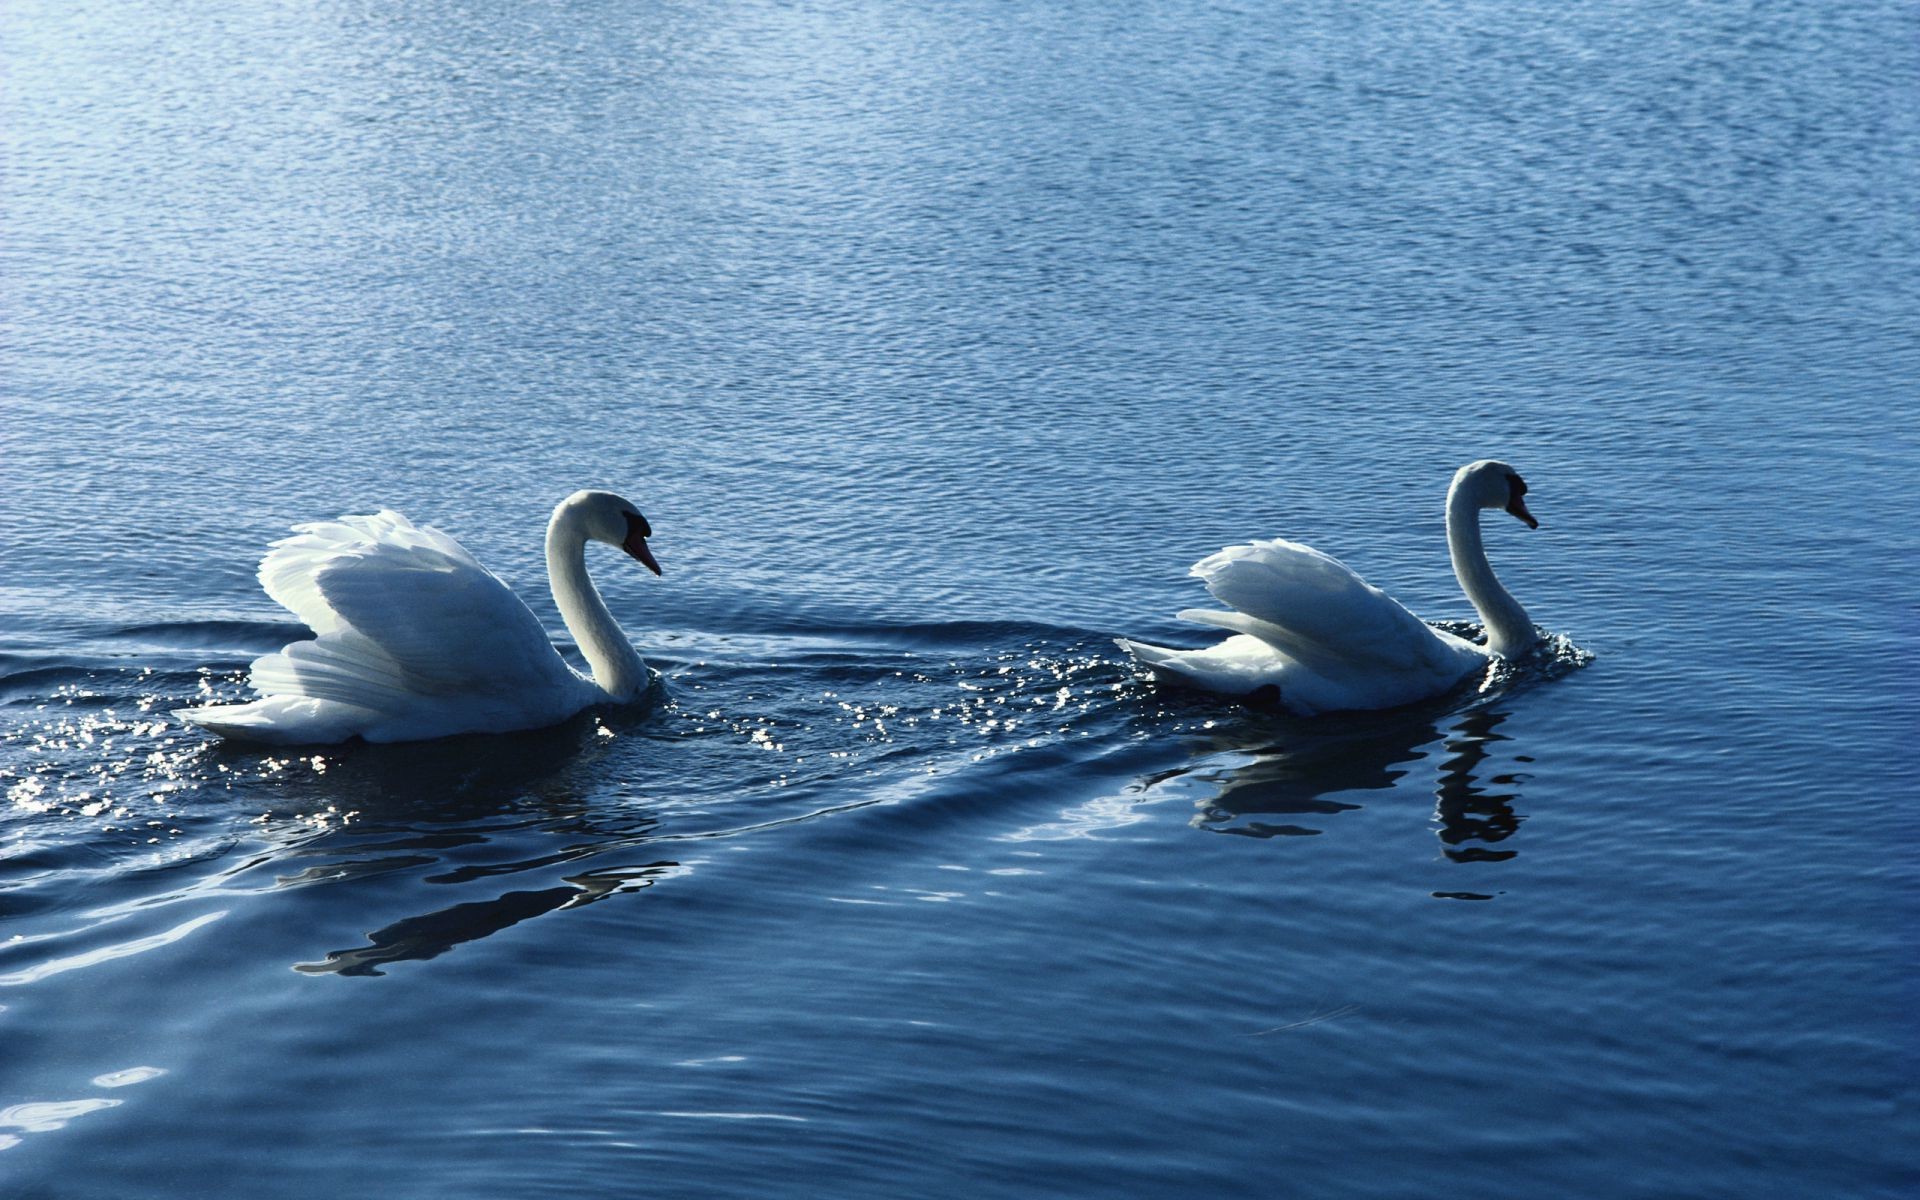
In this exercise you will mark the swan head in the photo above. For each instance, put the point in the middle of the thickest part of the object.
(605, 517)
(1491, 483)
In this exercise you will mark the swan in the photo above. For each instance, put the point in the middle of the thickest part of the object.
(1327, 640)
(415, 639)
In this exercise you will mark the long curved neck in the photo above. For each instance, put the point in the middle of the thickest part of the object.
(617, 667)
(1509, 631)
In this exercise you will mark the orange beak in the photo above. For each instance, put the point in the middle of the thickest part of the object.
(636, 544)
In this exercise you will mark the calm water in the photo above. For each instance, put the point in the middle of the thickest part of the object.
(936, 342)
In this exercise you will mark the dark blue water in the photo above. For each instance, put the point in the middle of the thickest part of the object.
(936, 343)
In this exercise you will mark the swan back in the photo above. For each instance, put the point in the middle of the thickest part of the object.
(409, 601)
(1318, 611)
(1310, 628)
(415, 639)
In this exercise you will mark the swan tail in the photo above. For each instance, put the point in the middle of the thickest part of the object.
(1163, 661)
(1238, 666)
(1149, 655)
(281, 720)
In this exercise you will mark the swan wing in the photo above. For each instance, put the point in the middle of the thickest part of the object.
(1238, 666)
(403, 611)
(1315, 609)
(1248, 663)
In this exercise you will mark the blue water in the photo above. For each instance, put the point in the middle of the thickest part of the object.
(936, 342)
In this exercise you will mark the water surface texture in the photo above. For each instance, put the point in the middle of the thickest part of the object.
(936, 341)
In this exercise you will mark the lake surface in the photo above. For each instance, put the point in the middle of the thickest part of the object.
(936, 342)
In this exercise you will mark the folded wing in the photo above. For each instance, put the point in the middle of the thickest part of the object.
(402, 612)
(1312, 608)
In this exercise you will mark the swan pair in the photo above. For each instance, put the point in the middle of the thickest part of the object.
(415, 639)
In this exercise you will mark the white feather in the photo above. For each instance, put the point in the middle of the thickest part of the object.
(1323, 637)
(415, 639)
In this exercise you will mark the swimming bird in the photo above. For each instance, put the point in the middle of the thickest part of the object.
(414, 639)
(1326, 640)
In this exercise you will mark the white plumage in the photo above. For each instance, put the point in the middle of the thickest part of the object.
(1325, 639)
(415, 639)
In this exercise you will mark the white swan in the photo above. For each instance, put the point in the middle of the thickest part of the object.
(415, 639)
(1326, 639)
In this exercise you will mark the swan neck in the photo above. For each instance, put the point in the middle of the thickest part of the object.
(617, 667)
(1509, 629)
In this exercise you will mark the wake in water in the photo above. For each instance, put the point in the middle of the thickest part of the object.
(111, 800)
(1260, 771)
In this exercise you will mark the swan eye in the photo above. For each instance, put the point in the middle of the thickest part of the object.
(1517, 485)
(638, 524)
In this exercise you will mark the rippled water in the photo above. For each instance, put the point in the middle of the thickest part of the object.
(936, 345)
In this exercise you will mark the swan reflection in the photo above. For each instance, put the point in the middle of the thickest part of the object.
(1465, 812)
(1289, 789)
(433, 934)
(468, 812)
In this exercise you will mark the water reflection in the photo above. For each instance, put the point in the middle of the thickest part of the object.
(433, 934)
(1300, 776)
(466, 812)
(1466, 812)
(1320, 769)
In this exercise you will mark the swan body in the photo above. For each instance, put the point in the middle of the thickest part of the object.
(414, 639)
(1325, 639)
